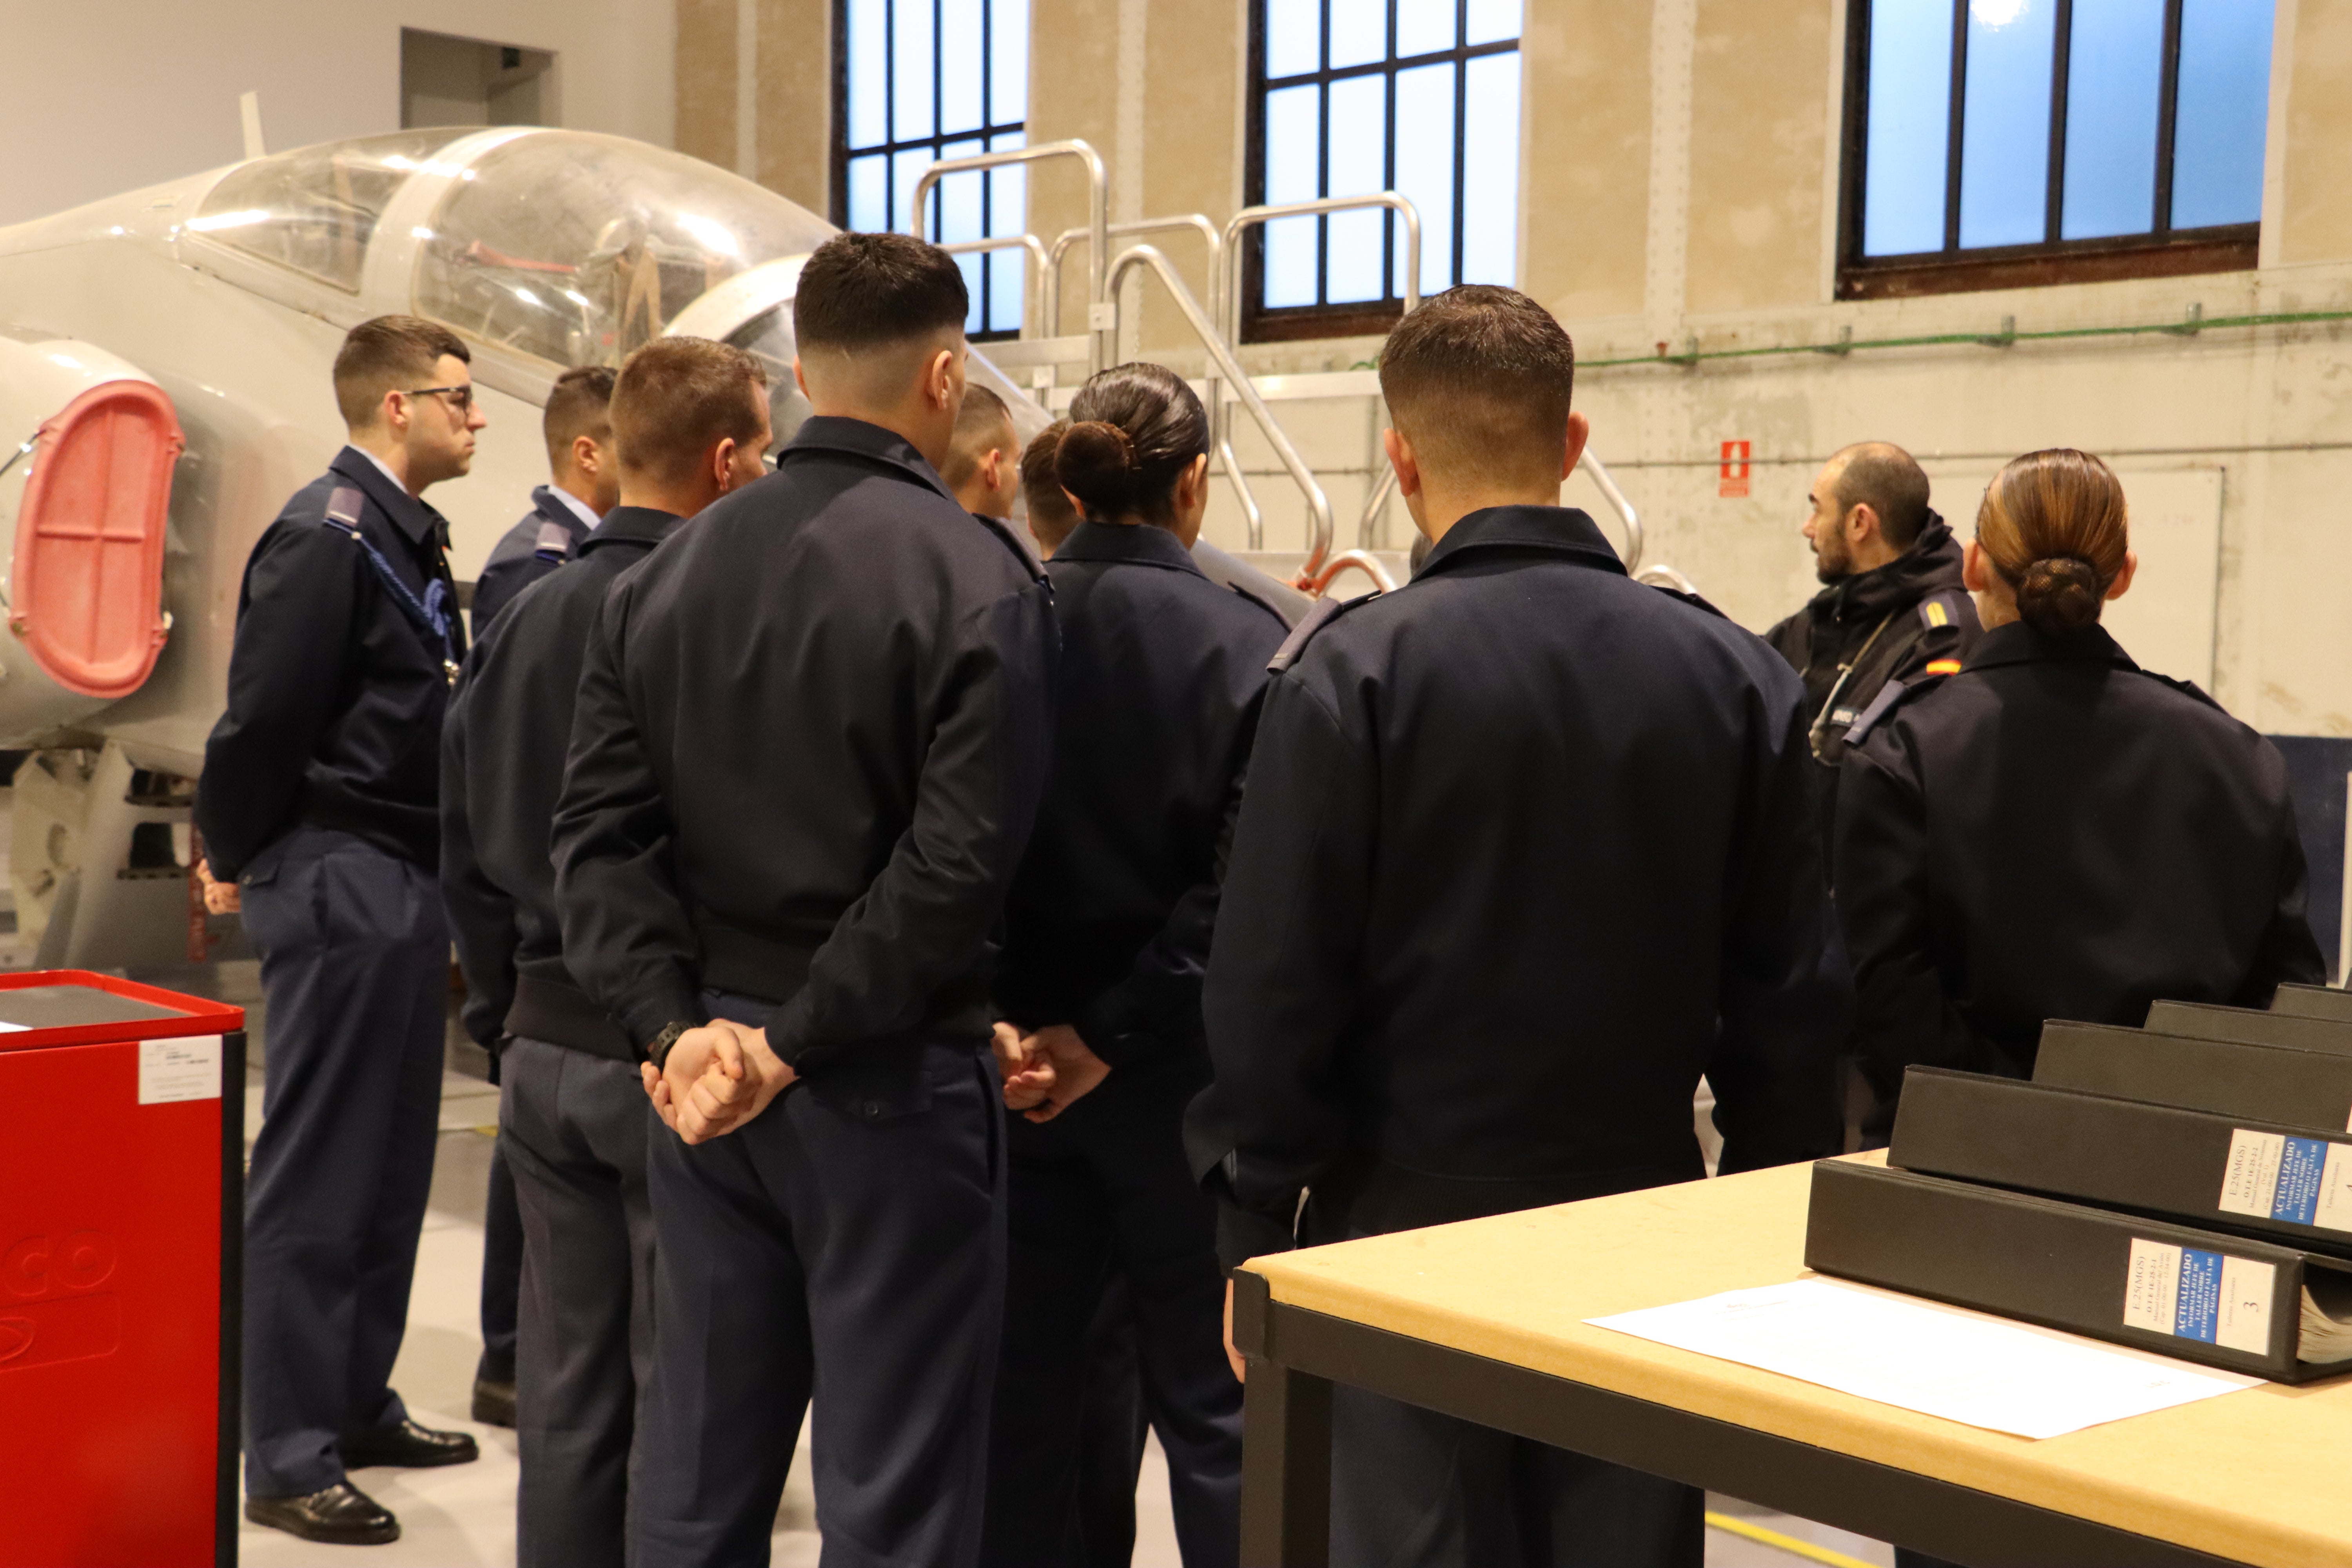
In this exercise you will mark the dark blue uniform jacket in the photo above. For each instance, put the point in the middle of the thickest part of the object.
(519, 559)
(812, 730)
(1107, 927)
(502, 768)
(2053, 833)
(1526, 849)
(335, 695)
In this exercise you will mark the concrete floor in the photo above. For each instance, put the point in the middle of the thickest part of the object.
(463, 1516)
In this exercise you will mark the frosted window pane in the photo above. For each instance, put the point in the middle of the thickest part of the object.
(869, 194)
(960, 199)
(911, 71)
(1424, 170)
(2224, 112)
(2115, 74)
(1294, 37)
(1423, 26)
(869, 66)
(1294, 135)
(1490, 21)
(2005, 141)
(1359, 32)
(1360, 141)
(1910, 111)
(1008, 62)
(960, 63)
(1490, 169)
(906, 168)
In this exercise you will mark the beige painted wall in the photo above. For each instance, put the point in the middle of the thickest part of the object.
(707, 32)
(1587, 169)
(2316, 224)
(1758, 137)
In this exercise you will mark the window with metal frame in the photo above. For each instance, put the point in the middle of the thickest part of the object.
(2001, 143)
(916, 81)
(1351, 97)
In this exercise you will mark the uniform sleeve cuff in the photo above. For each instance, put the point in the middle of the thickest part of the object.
(1242, 1235)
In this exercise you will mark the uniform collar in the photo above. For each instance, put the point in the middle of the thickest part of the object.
(410, 515)
(642, 525)
(1134, 545)
(1932, 564)
(1550, 530)
(833, 433)
(2018, 643)
(559, 505)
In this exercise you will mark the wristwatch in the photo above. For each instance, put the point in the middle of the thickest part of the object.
(658, 1048)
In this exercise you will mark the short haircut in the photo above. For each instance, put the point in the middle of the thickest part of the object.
(1889, 480)
(1478, 379)
(861, 291)
(982, 424)
(580, 406)
(676, 398)
(1052, 517)
(390, 354)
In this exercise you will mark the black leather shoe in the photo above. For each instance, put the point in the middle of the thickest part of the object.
(342, 1515)
(409, 1444)
(494, 1402)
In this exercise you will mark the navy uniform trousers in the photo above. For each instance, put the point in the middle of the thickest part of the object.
(846, 1247)
(575, 1128)
(1103, 1191)
(355, 968)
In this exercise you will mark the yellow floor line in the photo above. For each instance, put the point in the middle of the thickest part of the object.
(1790, 1543)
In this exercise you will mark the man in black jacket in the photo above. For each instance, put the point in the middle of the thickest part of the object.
(1894, 609)
(690, 422)
(809, 742)
(319, 811)
(584, 484)
(1527, 847)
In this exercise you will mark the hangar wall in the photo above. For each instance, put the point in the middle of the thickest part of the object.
(123, 93)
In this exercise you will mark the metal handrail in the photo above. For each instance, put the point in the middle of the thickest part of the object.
(1319, 505)
(1381, 490)
(1098, 347)
(1033, 277)
(1228, 293)
(1618, 504)
(1664, 573)
(1199, 223)
(1363, 560)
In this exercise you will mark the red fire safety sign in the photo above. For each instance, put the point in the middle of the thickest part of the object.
(1731, 473)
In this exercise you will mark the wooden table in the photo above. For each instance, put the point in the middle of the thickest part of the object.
(1484, 1321)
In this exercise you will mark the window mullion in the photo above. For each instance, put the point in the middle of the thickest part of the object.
(2167, 103)
(1957, 122)
(2061, 49)
(1461, 132)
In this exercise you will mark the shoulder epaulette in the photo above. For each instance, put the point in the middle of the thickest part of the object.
(1324, 611)
(2187, 688)
(1938, 611)
(1693, 600)
(554, 542)
(1890, 696)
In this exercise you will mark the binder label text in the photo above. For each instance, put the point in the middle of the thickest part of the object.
(2199, 1295)
(2304, 1181)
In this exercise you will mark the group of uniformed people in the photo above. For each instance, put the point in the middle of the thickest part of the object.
(918, 971)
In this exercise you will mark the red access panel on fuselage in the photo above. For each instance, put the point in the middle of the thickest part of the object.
(112, 1179)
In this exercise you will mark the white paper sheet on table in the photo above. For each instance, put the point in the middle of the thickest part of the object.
(1925, 1356)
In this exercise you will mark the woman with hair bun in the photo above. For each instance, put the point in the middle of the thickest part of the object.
(1107, 935)
(2055, 832)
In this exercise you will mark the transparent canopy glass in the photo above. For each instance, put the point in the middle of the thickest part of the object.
(316, 209)
(575, 247)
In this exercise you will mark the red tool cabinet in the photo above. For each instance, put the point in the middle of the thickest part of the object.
(122, 1210)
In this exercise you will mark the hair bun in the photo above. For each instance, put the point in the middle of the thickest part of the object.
(2058, 593)
(1096, 463)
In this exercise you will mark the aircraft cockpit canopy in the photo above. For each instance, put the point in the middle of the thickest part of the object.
(576, 248)
(315, 210)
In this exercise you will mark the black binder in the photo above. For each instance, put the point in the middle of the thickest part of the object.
(2205, 1021)
(2289, 1184)
(2266, 1083)
(2241, 1305)
(2313, 1002)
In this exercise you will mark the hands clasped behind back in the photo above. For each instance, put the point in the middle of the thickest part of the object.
(718, 1078)
(1047, 1072)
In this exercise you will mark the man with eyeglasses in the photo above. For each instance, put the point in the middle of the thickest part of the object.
(319, 812)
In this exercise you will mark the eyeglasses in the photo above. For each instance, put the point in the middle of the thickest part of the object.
(461, 398)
